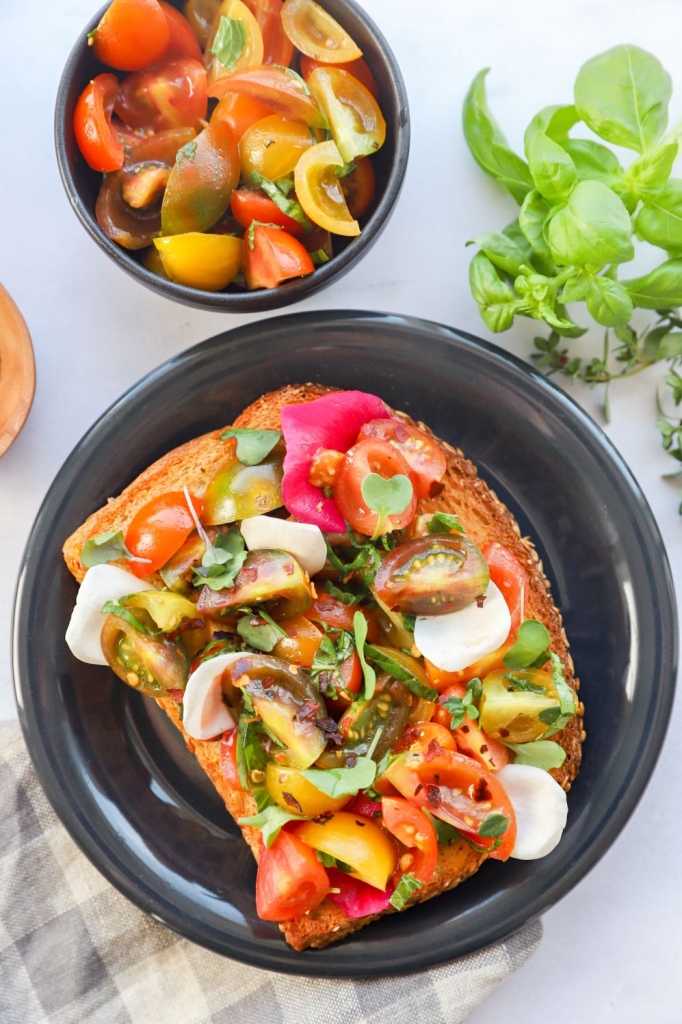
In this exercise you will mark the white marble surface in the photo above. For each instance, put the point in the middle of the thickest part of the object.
(611, 950)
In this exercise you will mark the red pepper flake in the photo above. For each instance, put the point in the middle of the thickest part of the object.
(176, 694)
(249, 573)
(268, 681)
(307, 710)
(289, 568)
(482, 791)
(360, 824)
(292, 802)
(184, 626)
(433, 795)
(400, 432)
(418, 789)
(434, 749)
(322, 819)
(483, 748)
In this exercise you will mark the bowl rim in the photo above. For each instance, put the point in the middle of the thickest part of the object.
(259, 299)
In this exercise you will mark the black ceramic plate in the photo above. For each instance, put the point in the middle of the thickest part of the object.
(118, 774)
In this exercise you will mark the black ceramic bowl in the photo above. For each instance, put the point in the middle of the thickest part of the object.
(82, 184)
(116, 769)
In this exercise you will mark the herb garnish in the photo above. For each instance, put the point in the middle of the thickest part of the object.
(107, 547)
(464, 707)
(252, 445)
(386, 497)
(230, 41)
(405, 889)
(531, 648)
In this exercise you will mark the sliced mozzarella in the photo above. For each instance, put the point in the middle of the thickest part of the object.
(540, 807)
(204, 713)
(102, 583)
(453, 641)
(302, 540)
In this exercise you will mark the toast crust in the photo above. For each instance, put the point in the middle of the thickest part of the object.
(485, 519)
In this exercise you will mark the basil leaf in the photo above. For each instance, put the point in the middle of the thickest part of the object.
(608, 302)
(553, 171)
(488, 145)
(496, 300)
(399, 672)
(594, 162)
(659, 289)
(116, 608)
(360, 635)
(545, 754)
(250, 754)
(252, 445)
(107, 547)
(649, 172)
(281, 200)
(660, 219)
(327, 861)
(342, 781)
(230, 41)
(555, 122)
(593, 227)
(623, 96)
(270, 821)
(493, 826)
(260, 631)
(531, 644)
(446, 834)
(443, 522)
(567, 699)
(527, 686)
(502, 251)
(406, 888)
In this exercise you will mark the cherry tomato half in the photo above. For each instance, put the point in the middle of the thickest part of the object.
(201, 182)
(182, 40)
(314, 32)
(412, 828)
(357, 125)
(158, 529)
(301, 642)
(272, 255)
(319, 191)
(200, 260)
(290, 879)
(358, 186)
(357, 68)
(508, 574)
(277, 47)
(171, 94)
(367, 457)
(421, 452)
(272, 146)
(221, 64)
(469, 738)
(367, 848)
(431, 575)
(97, 141)
(280, 90)
(248, 205)
(131, 34)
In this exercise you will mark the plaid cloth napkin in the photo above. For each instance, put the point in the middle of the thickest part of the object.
(73, 949)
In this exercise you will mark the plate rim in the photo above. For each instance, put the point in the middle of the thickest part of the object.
(303, 964)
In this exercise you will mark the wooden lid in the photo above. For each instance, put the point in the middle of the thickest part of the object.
(17, 371)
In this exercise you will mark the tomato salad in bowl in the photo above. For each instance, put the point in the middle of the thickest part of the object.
(358, 673)
(233, 146)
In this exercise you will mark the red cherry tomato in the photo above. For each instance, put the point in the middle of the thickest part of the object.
(158, 529)
(277, 48)
(131, 34)
(248, 206)
(370, 456)
(97, 141)
(510, 577)
(422, 453)
(279, 91)
(228, 759)
(272, 255)
(290, 879)
(421, 734)
(469, 737)
(182, 41)
(412, 828)
(240, 112)
(171, 94)
(456, 789)
(357, 68)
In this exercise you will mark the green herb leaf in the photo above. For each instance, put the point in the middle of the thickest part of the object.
(230, 41)
(545, 754)
(337, 782)
(252, 445)
(553, 171)
(443, 522)
(270, 821)
(496, 301)
(649, 172)
(593, 227)
(555, 122)
(386, 497)
(502, 251)
(446, 834)
(328, 861)
(567, 699)
(107, 547)
(360, 636)
(532, 642)
(221, 561)
(116, 608)
(250, 754)
(399, 672)
(527, 686)
(405, 889)
(259, 630)
(660, 219)
(290, 207)
(493, 826)
(659, 289)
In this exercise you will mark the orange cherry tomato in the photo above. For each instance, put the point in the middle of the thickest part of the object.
(413, 829)
(301, 642)
(370, 456)
(222, 63)
(240, 112)
(182, 40)
(273, 146)
(131, 34)
(314, 32)
(272, 255)
(357, 68)
(508, 574)
(247, 206)
(172, 94)
(333, 612)
(228, 759)
(280, 90)
(158, 529)
(201, 182)
(422, 453)
(441, 680)
(421, 734)
(290, 879)
(358, 187)
(469, 738)
(97, 141)
(456, 789)
(277, 47)
(319, 191)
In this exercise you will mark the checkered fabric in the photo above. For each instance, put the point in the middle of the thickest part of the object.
(74, 950)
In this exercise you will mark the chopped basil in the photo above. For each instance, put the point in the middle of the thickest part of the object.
(493, 826)
(531, 647)
(259, 630)
(250, 754)
(290, 207)
(328, 658)
(318, 257)
(116, 608)
(399, 672)
(527, 685)
(221, 560)
(464, 707)
(328, 861)
(567, 700)
(336, 782)
(446, 834)
(270, 821)
(369, 675)
(545, 754)
(347, 597)
(107, 547)
(442, 522)
(406, 888)
(252, 445)
(230, 41)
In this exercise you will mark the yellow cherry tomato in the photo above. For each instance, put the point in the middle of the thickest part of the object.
(201, 261)
(314, 32)
(232, 47)
(272, 147)
(319, 192)
(353, 115)
(289, 788)
(366, 847)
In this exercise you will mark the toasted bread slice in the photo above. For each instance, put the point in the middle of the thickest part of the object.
(485, 519)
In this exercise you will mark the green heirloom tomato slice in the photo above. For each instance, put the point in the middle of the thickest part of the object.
(239, 492)
(432, 575)
(154, 665)
(518, 706)
(201, 182)
(272, 576)
(377, 723)
(355, 120)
